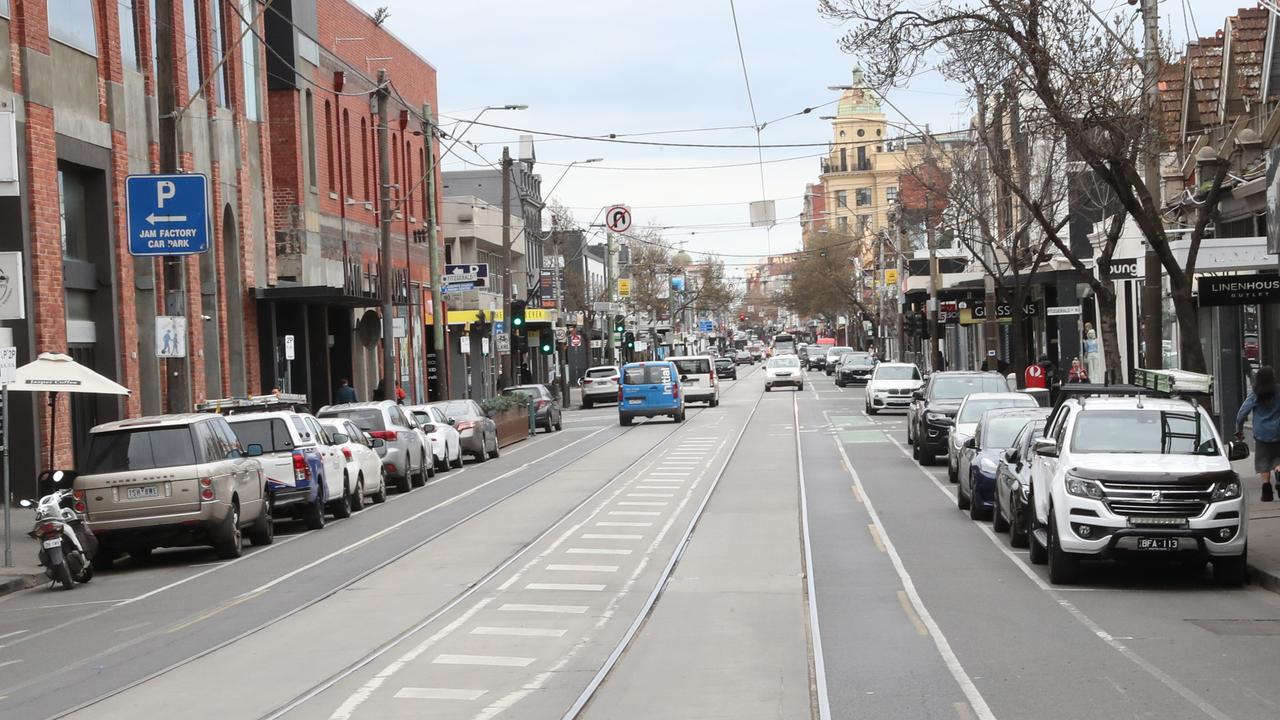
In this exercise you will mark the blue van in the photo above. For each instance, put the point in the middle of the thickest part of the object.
(648, 389)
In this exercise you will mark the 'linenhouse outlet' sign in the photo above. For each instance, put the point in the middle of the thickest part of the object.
(1239, 290)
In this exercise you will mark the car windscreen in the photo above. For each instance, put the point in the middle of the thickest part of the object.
(693, 366)
(724, 362)
(270, 433)
(459, 409)
(646, 375)
(601, 372)
(1000, 432)
(786, 361)
(957, 386)
(897, 372)
(367, 419)
(973, 409)
(1147, 432)
(142, 449)
(857, 361)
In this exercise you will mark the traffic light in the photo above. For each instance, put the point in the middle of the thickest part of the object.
(619, 324)
(629, 340)
(517, 315)
(547, 346)
(924, 326)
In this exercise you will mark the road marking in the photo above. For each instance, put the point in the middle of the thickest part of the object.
(962, 709)
(655, 473)
(518, 632)
(415, 693)
(606, 536)
(649, 494)
(596, 551)
(583, 568)
(11, 634)
(642, 503)
(819, 661)
(856, 495)
(553, 609)
(225, 606)
(9, 662)
(875, 535)
(624, 524)
(921, 630)
(486, 660)
(642, 513)
(577, 587)
(133, 627)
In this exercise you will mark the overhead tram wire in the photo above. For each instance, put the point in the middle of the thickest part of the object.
(751, 103)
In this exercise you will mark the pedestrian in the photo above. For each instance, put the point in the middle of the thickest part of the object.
(400, 394)
(1263, 404)
(346, 393)
(1077, 373)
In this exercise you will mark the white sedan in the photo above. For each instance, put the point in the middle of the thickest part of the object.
(446, 443)
(363, 463)
(783, 370)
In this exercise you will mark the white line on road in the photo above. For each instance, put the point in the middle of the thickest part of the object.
(11, 634)
(9, 662)
(597, 551)
(649, 494)
(819, 662)
(552, 609)
(583, 568)
(415, 693)
(634, 513)
(518, 632)
(486, 660)
(642, 503)
(607, 536)
(606, 523)
(572, 587)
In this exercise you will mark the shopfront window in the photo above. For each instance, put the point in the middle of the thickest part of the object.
(71, 22)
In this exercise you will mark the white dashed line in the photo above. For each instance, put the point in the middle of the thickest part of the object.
(583, 568)
(574, 587)
(553, 609)
(606, 536)
(596, 551)
(519, 632)
(634, 513)
(487, 660)
(624, 524)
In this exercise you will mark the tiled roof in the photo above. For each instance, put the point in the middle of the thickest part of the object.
(1248, 46)
(1172, 80)
(1205, 58)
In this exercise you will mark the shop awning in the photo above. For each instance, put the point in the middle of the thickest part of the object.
(314, 294)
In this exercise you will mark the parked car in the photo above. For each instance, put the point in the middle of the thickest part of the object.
(891, 386)
(405, 456)
(1137, 474)
(698, 379)
(546, 406)
(783, 370)
(726, 368)
(171, 481)
(855, 367)
(980, 457)
(970, 413)
(304, 472)
(599, 384)
(743, 357)
(757, 352)
(364, 465)
(650, 389)
(933, 408)
(832, 358)
(446, 443)
(476, 430)
(1013, 485)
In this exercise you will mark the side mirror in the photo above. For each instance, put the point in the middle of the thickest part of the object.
(1048, 447)
(1237, 450)
(489, 413)
(57, 476)
(253, 450)
(452, 422)
(339, 438)
(25, 503)
(684, 378)
(428, 428)
(917, 394)
(1011, 455)
(971, 443)
(377, 443)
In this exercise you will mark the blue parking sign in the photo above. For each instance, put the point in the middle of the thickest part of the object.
(168, 214)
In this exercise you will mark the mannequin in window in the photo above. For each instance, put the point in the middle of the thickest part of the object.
(1092, 358)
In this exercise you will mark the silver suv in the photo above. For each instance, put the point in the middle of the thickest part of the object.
(407, 459)
(172, 481)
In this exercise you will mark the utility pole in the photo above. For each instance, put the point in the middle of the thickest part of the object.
(882, 337)
(175, 276)
(936, 326)
(902, 296)
(990, 325)
(512, 366)
(562, 351)
(608, 284)
(1153, 283)
(384, 183)
(437, 296)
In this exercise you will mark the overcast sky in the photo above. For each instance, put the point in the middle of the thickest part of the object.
(591, 67)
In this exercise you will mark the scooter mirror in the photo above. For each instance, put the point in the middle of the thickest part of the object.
(57, 476)
(25, 503)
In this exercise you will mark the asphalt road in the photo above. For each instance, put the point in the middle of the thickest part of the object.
(780, 556)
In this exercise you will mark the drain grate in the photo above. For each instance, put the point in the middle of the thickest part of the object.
(1239, 627)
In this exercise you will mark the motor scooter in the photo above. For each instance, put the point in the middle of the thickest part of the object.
(67, 546)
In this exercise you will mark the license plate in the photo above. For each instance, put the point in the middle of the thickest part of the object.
(635, 401)
(142, 492)
(56, 542)
(1157, 543)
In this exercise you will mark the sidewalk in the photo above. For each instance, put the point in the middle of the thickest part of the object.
(1264, 526)
(25, 572)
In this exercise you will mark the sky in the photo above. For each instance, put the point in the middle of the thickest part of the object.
(592, 67)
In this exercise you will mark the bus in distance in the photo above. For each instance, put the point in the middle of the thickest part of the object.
(784, 344)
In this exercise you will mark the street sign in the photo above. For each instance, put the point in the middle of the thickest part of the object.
(12, 300)
(503, 343)
(624, 287)
(618, 218)
(171, 336)
(168, 214)
(601, 306)
(1062, 310)
(891, 276)
(562, 334)
(463, 277)
(707, 326)
(597, 344)
(399, 327)
(8, 364)
(575, 340)
(484, 346)
(289, 353)
(464, 344)
(1126, 268)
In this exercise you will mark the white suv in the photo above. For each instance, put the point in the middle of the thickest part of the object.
(1135, 477)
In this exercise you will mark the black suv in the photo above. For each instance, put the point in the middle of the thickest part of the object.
(933, 408)
(855, 367)
(726, 368)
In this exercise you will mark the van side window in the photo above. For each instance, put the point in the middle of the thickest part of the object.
(301, 427)
(229, 439)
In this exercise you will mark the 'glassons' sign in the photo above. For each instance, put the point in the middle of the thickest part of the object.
(1239, 290)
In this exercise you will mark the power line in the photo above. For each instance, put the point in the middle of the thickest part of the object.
(751, 103)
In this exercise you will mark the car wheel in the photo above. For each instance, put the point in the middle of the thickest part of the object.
(429, 468)
(357, 498)
(962, 502)
(1063, 568)
(230, 543)
(404, 483)
(998, 521)
(975, 507)
(105, 558)
(141, 553)
(560, 424)
(1017, 528)
(714, 403)
(496, 451)
(381, 496)
(458, 462)
(926, 457)
(263, 530)
(871, 410)
(1231, 571)
(1038, 554)
(767, 387)
(624, 420)
(341, 508)
(313, 516)
(952, 473)
(419, 478)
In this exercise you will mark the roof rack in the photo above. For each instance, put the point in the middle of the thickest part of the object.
(256, 403)
(1173, 382)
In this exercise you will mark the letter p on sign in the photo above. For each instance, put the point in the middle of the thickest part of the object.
(165, 190)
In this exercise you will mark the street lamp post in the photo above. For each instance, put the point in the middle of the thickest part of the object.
(563, 352)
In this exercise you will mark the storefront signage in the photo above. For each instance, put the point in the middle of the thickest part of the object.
(1256, 289)
(977, 312)
(1125, 268)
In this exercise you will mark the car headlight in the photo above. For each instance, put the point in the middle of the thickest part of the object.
(1084, 488)
(938, 418)
(987, 465)
(1229, 490)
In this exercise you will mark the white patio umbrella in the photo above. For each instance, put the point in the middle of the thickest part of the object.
(55, 373)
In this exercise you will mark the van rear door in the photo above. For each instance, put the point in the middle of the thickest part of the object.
(649, 386)
(141, 472)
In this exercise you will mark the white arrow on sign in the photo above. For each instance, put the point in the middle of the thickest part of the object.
(154, 218)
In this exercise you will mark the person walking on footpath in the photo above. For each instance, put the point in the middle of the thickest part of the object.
(1264, 405)
(1077, 373)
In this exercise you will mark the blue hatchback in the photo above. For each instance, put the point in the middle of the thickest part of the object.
(649, 389)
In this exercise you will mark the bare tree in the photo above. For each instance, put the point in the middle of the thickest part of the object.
(1087, 84)
(654, 264)
(824, 282)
